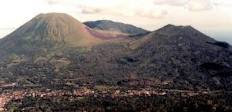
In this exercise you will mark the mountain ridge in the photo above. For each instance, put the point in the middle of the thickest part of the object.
(110, 25)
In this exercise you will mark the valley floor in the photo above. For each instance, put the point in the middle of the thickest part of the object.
(106, 98)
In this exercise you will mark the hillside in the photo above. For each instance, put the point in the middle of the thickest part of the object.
(185, 57)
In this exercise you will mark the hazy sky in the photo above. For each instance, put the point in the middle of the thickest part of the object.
(213, 17)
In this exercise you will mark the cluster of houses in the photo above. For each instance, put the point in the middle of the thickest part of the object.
(5, 97)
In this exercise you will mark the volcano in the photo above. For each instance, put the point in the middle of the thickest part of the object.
(47, 31)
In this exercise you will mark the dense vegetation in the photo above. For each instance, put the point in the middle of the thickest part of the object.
(173, 103)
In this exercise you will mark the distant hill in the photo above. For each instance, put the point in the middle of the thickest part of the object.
(109, 25)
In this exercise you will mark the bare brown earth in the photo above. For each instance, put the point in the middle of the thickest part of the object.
(106, 35)
(51, 28)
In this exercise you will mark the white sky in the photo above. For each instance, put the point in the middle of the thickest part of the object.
(213, 17)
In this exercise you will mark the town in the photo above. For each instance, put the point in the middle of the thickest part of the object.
(11, 93)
